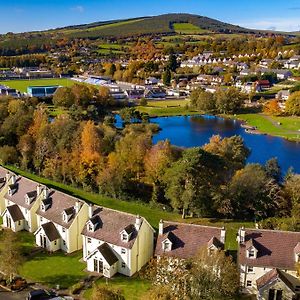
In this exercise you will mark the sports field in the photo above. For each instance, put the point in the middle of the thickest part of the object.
(21, 85)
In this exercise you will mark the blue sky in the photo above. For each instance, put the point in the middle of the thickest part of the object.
(25, 15)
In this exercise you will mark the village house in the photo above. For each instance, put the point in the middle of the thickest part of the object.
(6, 178)
(267, 263)
(183, 241)
(61, 219)
(116, 242)
(22, 200)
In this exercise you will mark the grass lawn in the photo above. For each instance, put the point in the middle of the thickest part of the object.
(55, 268)
(265, 125)
(163, 108)
(21, 85)
(187, 28)
(131, 288)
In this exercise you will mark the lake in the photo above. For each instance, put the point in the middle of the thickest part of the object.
(193, 131)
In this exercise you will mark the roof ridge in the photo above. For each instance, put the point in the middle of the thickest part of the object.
(273, 230)
(195, 225)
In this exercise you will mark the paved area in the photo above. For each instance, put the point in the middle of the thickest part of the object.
(13, 296)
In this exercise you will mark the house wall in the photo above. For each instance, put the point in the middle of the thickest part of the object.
(50, 246)
(74, 239)
(143, 248)
(253, 276)
(2, 200)
(88, 248)
(287, 294)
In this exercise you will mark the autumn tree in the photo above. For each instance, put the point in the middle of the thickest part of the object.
(292, 105)
(63, 97)
(203, 101)
(229, 101)
(10, 254)
(157, 160)
(272, 108)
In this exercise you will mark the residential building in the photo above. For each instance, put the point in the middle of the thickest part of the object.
(6, 178)
(267, 262)
(22, 200)
(116, 242)
(184, 241)
(61, 219)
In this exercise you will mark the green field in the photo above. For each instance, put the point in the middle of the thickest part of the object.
(21, 85)
(187, 28)
(289, 126)
(164, 108)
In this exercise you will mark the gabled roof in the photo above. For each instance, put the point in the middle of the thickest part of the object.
(50, 231)
(110, 224)
(187, 239)
(25, 186)
(59, 203)
(215, 242)
(274, 275)
(108, 254)
(275, 248)
(15, 213)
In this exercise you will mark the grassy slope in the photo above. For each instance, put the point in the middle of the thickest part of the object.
(265, 126)
(21, 85)
(187, 28)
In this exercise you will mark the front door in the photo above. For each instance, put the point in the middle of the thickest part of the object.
(43, 241)
(8, 221)
(98, 266)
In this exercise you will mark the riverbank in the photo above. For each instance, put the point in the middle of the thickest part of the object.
(284, 127)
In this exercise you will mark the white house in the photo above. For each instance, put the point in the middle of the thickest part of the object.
(116, 242)
(22, 200)
(267, 263)
(5, 179)
(61, 219)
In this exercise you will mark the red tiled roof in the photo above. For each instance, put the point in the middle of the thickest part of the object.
(187, 239)
(275, 248)
(110, 224)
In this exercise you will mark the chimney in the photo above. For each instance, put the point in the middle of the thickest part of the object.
(241, 235)
(45, 192)
(138, 222)
(161, 227)
(91, 211)
(223, 234)
(13, 179)
(8, 175)
(39, 189)
(77, 207)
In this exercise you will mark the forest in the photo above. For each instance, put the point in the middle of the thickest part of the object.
(87, 150)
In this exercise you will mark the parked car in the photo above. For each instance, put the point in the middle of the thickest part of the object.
(41, 295)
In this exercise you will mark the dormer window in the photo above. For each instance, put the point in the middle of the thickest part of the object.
(252, 253)
(43, 207)
(167, 245)
(90, 227)
(124, 237)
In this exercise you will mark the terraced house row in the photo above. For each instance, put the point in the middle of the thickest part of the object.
(117, 242)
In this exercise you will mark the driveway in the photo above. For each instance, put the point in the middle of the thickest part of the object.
(13, 296)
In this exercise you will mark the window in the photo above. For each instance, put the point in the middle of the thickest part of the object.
(89, 240)
(251, 253)
(123, 265)
(250, 269)
(64, 243)
(123, 251)
(90, 227)
(55, 243)
(124, 237)
(41, 218)
(249, 283)
(19, 223)
(63, 229)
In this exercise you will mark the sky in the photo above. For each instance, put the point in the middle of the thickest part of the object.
(29, 15)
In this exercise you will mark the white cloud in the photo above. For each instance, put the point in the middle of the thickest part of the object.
(280, 24)
(78, 8)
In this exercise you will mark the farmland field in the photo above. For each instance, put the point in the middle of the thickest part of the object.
(187, 28)
(21, 85)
